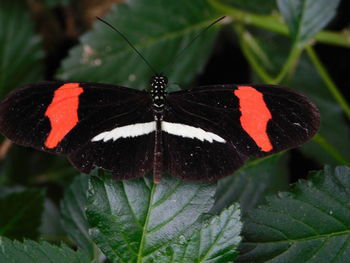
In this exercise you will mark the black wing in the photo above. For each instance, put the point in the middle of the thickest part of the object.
(64, 118)
(251, 120)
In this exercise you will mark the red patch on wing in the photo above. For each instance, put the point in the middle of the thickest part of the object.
(63, 112)
(255, 115)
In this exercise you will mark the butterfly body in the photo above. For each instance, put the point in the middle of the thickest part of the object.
(200, 134)
(158, 93)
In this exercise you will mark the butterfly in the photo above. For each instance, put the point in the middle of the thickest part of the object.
(203, 133)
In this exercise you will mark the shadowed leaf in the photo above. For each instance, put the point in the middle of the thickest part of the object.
(20, 50)
(20, 214)
(73, 213)
(309, 224)
(305, 18)
(33, 252)
(215, 242)
(158, 29)
(252, 183)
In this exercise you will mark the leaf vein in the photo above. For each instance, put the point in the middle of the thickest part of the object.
(130, 207)
(157, 227)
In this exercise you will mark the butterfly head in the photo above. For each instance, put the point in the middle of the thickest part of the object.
(159, 80)
(158, 93)
(158, 86)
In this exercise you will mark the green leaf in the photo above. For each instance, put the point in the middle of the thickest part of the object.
(73, 214)
(134, 220)
(21, 56)
(252, 183)
(216, 241)
(159, 29)
(39, 167)
(20, 214)
(309, 224)
(51, 226)
(33, 252)
(305, 18)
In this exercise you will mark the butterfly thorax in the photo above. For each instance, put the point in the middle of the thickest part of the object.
(158, 93)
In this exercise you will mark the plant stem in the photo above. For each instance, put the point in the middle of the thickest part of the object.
(249, 45)
(245, 39)
(332, 87)
(290, 63)
(330, 149)
(275, 24)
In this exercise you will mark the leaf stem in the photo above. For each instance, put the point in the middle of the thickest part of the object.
(274, 23)
(249, 45)
(290, 63)
(246, 41)
(330, 149)
(144, 228)
(332, 87)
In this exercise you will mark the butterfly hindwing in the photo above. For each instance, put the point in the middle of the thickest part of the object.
(194, 159)
(252, 121)
(65, 117)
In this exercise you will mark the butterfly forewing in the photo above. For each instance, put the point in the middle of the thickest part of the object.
(294, 118)
(22, 114)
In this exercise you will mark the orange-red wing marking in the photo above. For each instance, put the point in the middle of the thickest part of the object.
(255, 115)
(63, 112)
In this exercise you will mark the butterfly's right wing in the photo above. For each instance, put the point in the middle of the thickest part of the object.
(209, 132)
(81, 121)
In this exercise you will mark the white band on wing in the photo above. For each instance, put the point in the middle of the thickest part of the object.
(188, 131)
(132, 130)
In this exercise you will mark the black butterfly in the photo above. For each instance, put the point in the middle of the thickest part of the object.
(199, 134)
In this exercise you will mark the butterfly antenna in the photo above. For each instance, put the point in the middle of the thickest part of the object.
(131, 45)
(191, 42)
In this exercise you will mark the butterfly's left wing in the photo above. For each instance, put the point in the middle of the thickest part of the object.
(94, 125)
(209, 132)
